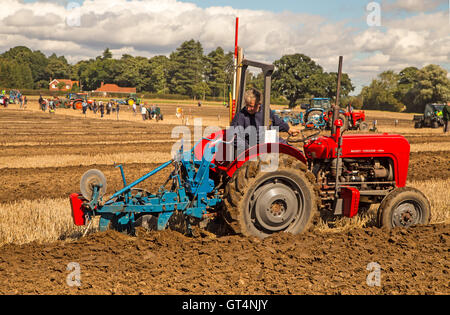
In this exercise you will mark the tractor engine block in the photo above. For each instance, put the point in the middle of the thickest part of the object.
(363, 170)
(368, 175)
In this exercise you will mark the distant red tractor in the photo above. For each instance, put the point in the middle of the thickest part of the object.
(351, 119)
(73, 100)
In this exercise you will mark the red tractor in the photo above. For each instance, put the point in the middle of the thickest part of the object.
(351, 119)
(267, 187)
(73, 100)
(341, 174)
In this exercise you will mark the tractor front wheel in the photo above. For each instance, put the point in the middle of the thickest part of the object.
(404, 207)
(260, 202)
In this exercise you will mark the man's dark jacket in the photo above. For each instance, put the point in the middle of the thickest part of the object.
(244, 119)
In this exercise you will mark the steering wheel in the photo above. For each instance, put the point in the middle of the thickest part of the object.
(304, 138)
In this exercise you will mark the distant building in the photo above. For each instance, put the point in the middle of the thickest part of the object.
(53, 85)
(114, 88)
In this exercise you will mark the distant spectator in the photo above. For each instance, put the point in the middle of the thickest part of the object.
(108, 108)
(101, 108)
(41, 102)
(94, 107)
(446, 116)
(84, 107)
(144, 113)
(134, 109)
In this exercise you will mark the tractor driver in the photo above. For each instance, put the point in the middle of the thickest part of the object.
(252, 115)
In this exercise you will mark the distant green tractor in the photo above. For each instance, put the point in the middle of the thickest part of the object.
(133, 99)
(432, 117)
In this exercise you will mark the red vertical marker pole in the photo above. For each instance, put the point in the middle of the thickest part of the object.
(233, 106)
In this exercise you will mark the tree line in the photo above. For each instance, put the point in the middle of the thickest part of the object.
(189, 71)
(408, 90)
(186, 71)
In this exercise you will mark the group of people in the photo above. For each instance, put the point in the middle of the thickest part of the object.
(45, 104)
(149, 113)
(101, 107)
(14, 96)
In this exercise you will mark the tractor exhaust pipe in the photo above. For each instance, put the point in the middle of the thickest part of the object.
(338, 94)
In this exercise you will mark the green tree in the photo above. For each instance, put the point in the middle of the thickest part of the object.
(200, 90)
(296, 77)
(407, 86)
(61, 85)
(134, 72)
(218, 71)
(330, 86)
(382, 92)
(15, 75)
(107, 54)
(36, 61)
(159, 69)
(187, 68)
(75, 88)
(58, 67)
(433, 86)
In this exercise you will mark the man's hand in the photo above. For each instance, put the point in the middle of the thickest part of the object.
(293, 132)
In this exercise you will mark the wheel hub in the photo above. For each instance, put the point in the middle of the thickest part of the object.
(406, 214)
(275, 206)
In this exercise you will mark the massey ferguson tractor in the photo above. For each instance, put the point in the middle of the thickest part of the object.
(266, 188)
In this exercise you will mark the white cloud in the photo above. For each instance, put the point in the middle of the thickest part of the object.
(414, 5)
(152, 27)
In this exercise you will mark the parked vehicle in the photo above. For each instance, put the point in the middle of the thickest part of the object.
(432, 117)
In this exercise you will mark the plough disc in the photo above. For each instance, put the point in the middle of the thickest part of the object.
(90, 179)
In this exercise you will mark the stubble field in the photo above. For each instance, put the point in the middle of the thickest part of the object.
(43, 156)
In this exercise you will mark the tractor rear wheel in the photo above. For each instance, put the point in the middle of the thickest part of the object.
(404, 207)
(363, 126)
(260, 203)
(344, 122)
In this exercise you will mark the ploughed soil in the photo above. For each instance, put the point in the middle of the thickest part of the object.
(413, 261)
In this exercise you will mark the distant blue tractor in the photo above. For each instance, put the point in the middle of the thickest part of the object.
(291, 118)
(317, 112)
